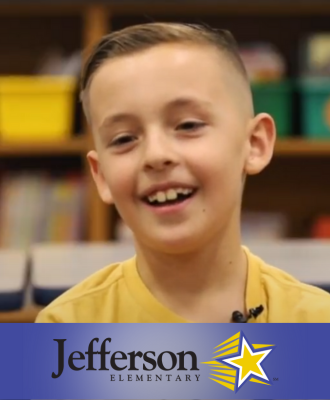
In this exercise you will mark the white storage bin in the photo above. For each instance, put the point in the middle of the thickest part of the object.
(13, 273)
(57, 267)
(307, 260)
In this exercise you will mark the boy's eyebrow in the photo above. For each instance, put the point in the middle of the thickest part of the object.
(116, 118)
(176, 103)
(187, 102)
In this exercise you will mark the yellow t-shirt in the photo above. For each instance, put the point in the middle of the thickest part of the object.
(117, 294)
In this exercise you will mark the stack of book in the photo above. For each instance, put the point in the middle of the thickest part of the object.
(37, 208)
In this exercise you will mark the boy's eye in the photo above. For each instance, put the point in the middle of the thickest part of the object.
(190, 125)
(122, 140)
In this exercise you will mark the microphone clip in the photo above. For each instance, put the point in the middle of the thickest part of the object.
(238, 317)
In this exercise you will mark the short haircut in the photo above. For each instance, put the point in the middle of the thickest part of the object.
(137, 38)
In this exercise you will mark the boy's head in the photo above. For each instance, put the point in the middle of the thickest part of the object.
(171, 112)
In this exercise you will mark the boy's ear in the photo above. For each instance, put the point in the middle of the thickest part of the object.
(98, 177)
(261, 141)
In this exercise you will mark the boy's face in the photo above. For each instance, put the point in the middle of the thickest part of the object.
(172, 122)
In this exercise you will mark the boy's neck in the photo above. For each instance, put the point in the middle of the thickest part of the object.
(214, 273)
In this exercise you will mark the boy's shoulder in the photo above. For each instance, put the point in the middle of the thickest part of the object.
(96, 287)
(291, 299)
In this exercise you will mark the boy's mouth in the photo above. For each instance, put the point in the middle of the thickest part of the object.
(168, 197)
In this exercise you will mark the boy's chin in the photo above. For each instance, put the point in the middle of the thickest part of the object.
(175, 243)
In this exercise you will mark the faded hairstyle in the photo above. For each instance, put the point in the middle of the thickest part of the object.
(137, 38)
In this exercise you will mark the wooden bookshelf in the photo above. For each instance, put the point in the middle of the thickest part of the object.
(224, 7)
(25, 315)
(302, 147)
(80, 146)
(76, 146)
(163, 7)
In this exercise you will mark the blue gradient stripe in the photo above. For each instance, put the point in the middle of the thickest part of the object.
(164, 361)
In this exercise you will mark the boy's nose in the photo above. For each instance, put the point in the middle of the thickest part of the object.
(158, 165)
(159, 154)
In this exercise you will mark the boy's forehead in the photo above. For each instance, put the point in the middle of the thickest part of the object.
(164, 73)
(175, 59)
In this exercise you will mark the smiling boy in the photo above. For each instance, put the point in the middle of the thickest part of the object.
(171, 112)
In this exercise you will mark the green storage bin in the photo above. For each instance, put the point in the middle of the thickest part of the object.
(315, 108)
(275, 98)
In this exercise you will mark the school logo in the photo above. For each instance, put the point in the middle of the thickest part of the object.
(236, 362)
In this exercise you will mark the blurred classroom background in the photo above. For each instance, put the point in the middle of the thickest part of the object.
(54, 230)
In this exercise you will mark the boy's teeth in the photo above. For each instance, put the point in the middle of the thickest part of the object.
(152, 198)
(161, 197)
(170, 194)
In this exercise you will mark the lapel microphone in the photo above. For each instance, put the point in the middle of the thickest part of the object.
(238, 317)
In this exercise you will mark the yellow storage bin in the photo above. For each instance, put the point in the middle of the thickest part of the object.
(36, 108)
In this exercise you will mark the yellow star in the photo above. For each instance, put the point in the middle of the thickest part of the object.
(248, 362)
